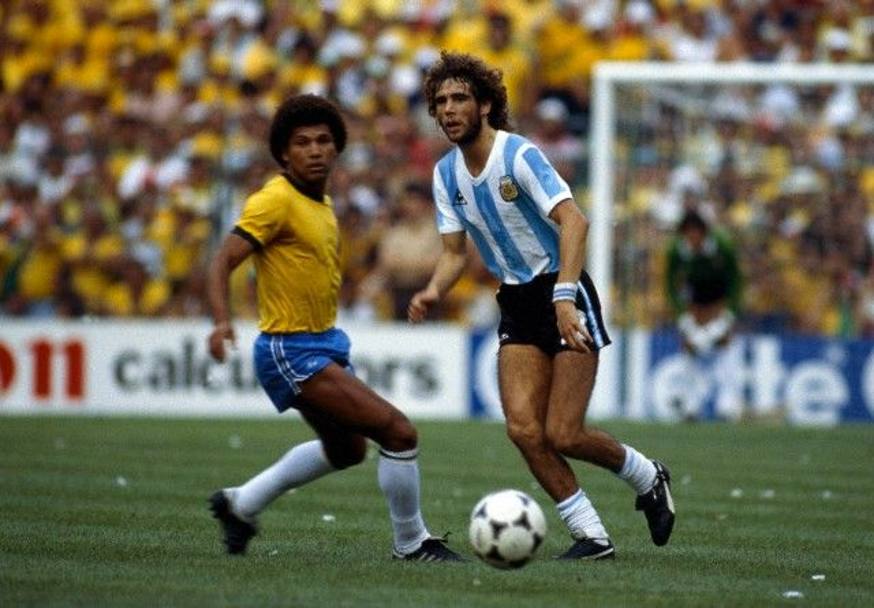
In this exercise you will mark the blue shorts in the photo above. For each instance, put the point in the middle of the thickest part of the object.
(284, 361)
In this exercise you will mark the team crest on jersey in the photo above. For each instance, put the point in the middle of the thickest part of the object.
(507, 188)
(459, 198)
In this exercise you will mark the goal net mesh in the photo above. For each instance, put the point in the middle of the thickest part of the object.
(786, 168)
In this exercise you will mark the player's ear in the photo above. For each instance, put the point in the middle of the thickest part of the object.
(484, 108)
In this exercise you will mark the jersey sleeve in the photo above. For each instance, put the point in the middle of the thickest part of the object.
(539, 179)
(261, 219)
(447, 218)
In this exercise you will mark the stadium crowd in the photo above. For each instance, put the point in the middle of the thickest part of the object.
(132, 130)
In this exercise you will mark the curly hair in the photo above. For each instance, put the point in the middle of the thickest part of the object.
(486, 84)
(304, 111)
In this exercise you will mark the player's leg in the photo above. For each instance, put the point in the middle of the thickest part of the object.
(335, 395)
(694, 385)
(335, 449)
(275, 362)
(572, 384)
(727, 376)
(525, 373)
(238, 507)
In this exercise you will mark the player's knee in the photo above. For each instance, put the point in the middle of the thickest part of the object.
(564, 438)
(401, 435)
(526, 435)
(561, 441)
(348, 454)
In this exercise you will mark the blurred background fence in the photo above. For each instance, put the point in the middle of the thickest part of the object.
(132, 130)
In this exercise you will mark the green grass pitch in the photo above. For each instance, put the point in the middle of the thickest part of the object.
(112, 512)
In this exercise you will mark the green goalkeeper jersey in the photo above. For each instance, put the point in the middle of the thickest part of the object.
(706, 276)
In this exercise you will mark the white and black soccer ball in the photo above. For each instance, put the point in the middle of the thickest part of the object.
(506, 528)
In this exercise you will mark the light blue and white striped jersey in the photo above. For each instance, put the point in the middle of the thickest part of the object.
(505, 209)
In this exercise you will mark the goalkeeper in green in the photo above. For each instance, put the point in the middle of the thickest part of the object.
(704, 289)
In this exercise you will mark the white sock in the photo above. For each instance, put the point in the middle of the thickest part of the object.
(580, 517)
(398, 475)
(301, 464)
(637, 470)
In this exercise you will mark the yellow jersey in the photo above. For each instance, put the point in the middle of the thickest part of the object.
(297, 261)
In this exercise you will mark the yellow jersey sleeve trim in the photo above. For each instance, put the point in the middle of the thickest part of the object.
(240, 232)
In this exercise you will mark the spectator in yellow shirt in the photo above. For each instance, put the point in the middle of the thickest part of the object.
(630, 40)
(566, 52)
(41, 266)
(504, 53)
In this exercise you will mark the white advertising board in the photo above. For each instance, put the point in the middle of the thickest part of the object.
(162, 368)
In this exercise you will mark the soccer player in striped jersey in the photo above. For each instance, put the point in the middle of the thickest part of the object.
(498, 187)
(301, 359)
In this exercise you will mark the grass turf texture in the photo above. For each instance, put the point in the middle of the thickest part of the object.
(113, 512)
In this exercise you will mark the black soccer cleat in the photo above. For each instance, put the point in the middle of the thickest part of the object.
(237, 532)
(658, 506)
(431, 550)
(590, 549)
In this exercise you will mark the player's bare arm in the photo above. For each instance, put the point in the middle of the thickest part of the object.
(573, 227)
(450, 266)
(234, 250)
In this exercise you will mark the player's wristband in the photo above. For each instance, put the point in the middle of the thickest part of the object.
(564, 292)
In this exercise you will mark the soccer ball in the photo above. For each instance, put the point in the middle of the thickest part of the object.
(506, 528)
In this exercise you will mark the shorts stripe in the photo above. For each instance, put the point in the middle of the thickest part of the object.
(594, 320)
(278, 352)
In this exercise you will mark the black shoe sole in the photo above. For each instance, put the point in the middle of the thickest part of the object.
(592, 558)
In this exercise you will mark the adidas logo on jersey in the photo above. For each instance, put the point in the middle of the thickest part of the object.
(459, 198)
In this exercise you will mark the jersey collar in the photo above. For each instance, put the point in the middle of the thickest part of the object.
(500, 137)
(308, 192)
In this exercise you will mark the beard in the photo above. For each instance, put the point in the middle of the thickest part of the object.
(472, 132)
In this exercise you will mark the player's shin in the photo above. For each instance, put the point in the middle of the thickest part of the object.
(398, 475)
(637, 470)
(302, 464)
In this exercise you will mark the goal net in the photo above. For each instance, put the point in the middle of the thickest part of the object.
(767, 151)
(780, 156)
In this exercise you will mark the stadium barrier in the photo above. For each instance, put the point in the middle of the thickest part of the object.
(163, 368)
(805, 381)
(435, 371)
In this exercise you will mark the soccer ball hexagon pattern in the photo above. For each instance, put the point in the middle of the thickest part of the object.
(506, 527)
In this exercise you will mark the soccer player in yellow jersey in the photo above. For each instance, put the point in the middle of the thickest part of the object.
(301, 359)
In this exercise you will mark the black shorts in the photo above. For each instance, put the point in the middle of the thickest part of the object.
(528, 314)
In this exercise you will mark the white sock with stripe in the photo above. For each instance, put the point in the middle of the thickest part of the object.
(637, 470)
(398, 475)
(301, 464)
(581, 518)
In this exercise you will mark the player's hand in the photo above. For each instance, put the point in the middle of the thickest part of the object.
(572, 331)
(421, 304)
(221, 333)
